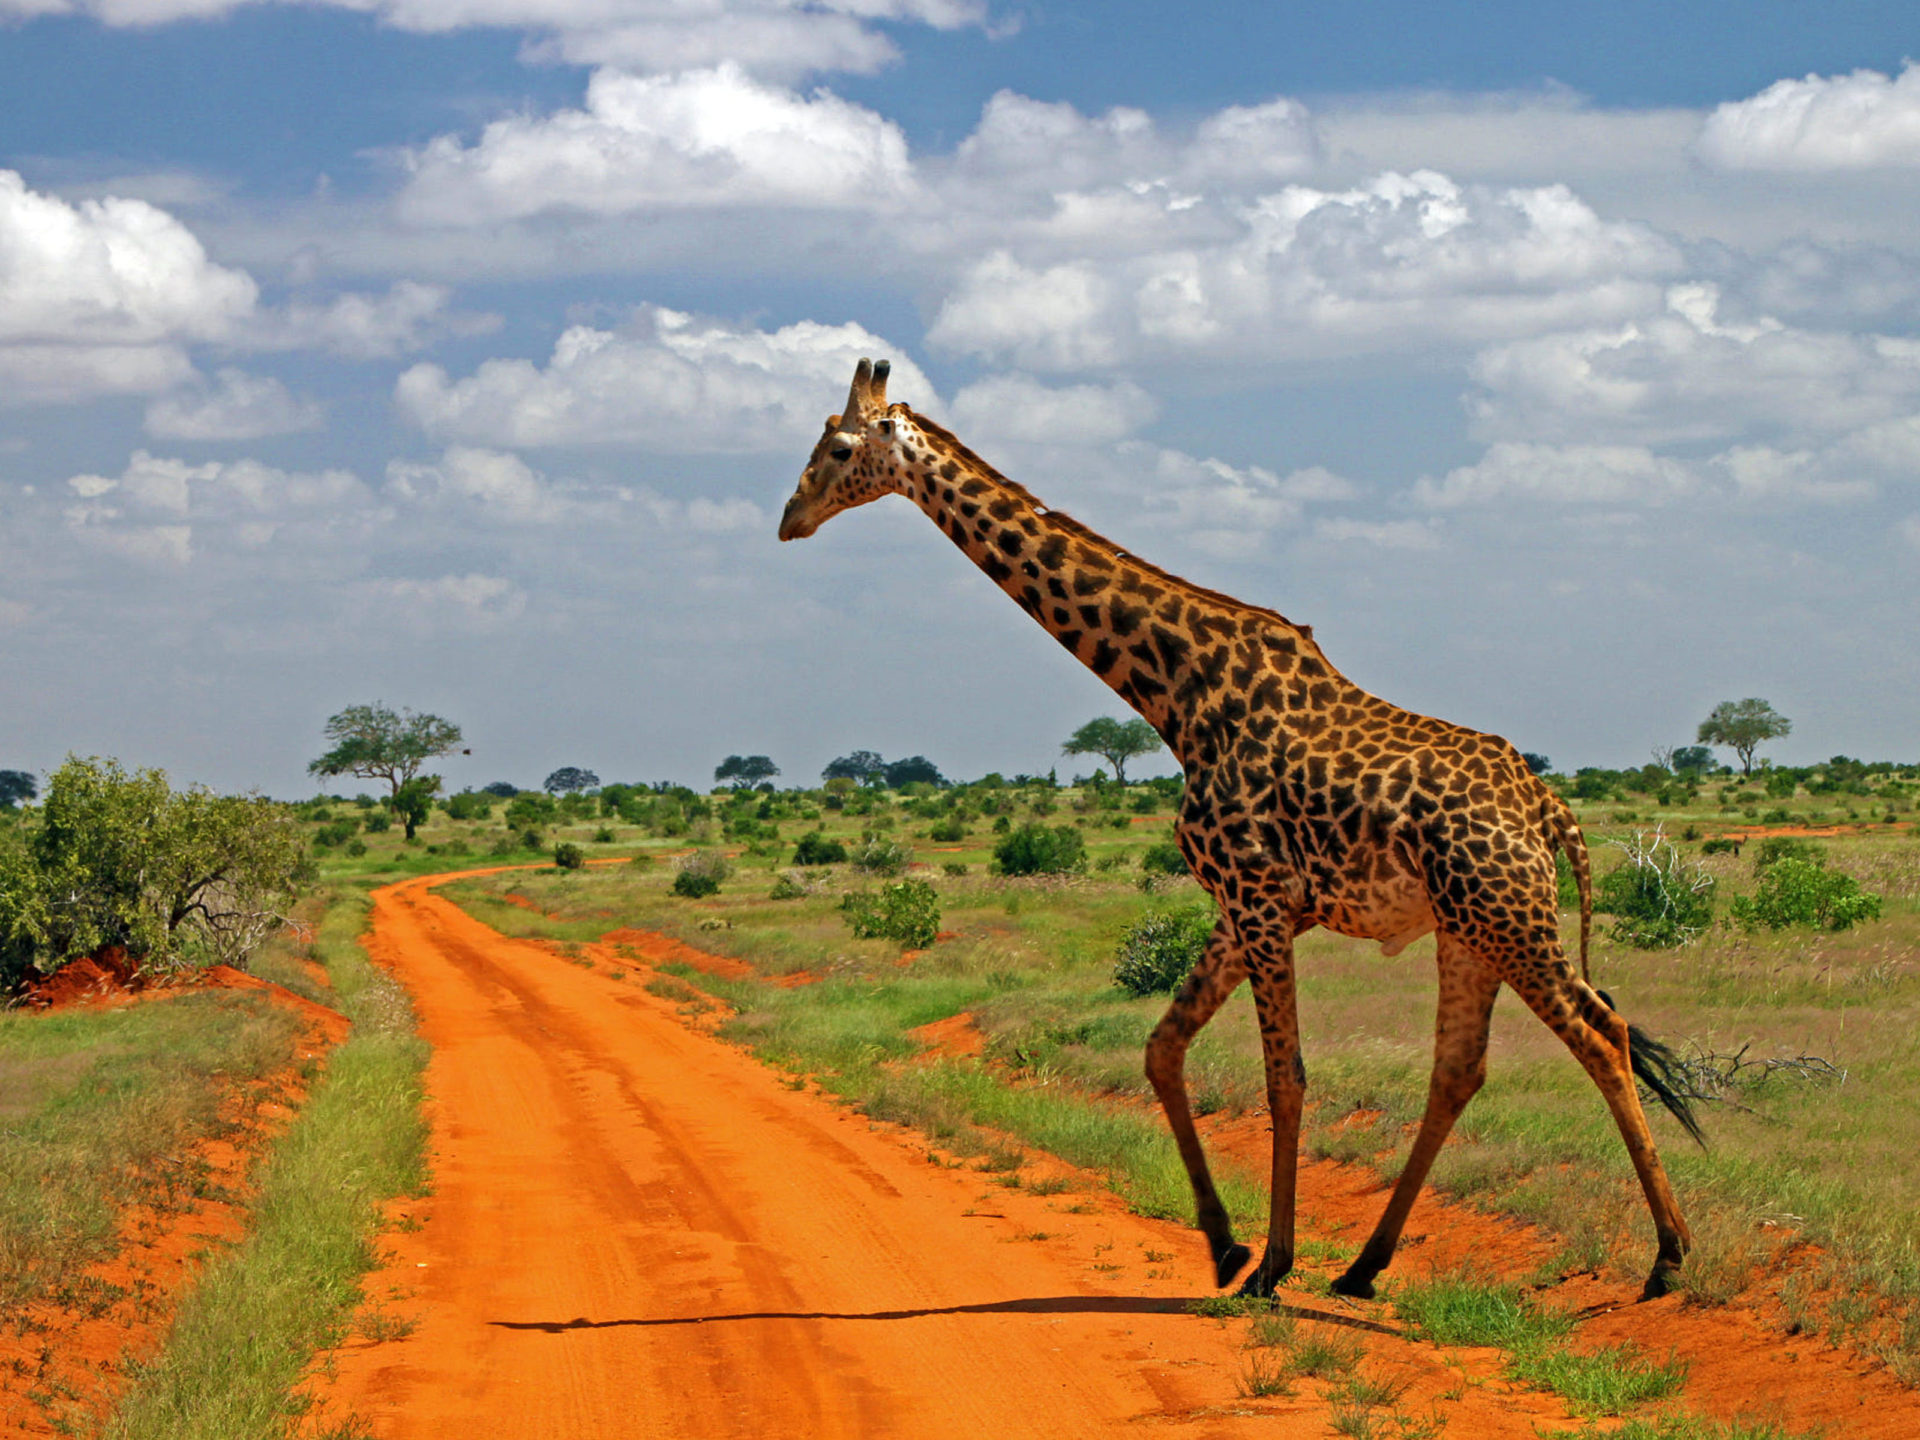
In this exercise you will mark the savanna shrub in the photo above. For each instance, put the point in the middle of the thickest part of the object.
(1776, 848)
(1657, 901)
(949, 831)
(1720, 845)
(700, 874)
(1159, 952)
(379, 823)
(604, 835)
(954, 867)
(338, 833)
(878, 855)
(1782, 783)
(569, 856)
(814, 848)
(470, 805)
(1040, 850)
(1798, 891)
(787, 888)
(907, 911)
(1164, 858)
(356, 848)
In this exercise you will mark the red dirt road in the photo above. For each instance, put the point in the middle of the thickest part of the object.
(637, 1230)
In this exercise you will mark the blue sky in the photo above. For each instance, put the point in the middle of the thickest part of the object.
(1559, 364)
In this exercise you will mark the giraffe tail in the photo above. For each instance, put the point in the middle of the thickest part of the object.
(1661, 1071)
(1566, 834)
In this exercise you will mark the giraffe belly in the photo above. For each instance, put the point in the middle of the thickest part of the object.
(1394, 914)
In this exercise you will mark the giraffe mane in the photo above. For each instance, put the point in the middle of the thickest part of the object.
(1061, 520)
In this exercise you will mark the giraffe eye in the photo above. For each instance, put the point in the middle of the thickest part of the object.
(843, 452)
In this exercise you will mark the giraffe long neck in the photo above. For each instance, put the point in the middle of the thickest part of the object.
(1171, 650)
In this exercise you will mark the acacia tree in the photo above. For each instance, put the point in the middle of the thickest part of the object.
(1115, 741)
(1743, 726)
(745, 771)
(864, 767)
(569, 778)
(375, 743)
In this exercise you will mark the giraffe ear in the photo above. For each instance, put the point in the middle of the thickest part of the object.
(857, 397)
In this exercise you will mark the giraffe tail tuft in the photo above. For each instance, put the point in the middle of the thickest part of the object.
(1660, 1070)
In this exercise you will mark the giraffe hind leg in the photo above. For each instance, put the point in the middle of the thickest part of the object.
(1467, 992)
(1218, 974)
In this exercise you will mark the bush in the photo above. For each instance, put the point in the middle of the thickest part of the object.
(954, 867)
(338, 833)
(379, 823)
(907, 911)
(949, 831)
(1658, 902)
(604, 835)
(787, 888)
(1798, 891)
(880, 856)
(1720, 845)
(356, 848)
(814, 848)
(1164, 858)
(1157, 953)
(470, 805)
(569, 856)
(700, 874)
(1781, 784)
(1776, 848)
(1038, 850)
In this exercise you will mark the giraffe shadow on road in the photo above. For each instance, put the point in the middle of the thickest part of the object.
(1037, 1305)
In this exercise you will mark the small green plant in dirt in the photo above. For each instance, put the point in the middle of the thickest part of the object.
(1041, 850)
(1160, 951)
(1804, 892)
(1602, 1382)
(700, 874)
(906, 910)
(1467, 1310)
(1658, 900)
(814, 848)
(1684, 1425)
(568, 856)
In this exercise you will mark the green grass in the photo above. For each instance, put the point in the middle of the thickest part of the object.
(1608, 1381)
(1681, 1425)
(245, 1332)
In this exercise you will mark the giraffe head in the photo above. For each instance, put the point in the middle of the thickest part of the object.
(853, 463)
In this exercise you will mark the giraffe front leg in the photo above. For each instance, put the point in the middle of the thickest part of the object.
(1467, 991)
(1270, 967)
(1218, 974)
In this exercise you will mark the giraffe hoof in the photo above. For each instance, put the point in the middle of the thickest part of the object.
(1259, 1286)
(1659, 1283)
(1230, 1263)
(1354, 1287)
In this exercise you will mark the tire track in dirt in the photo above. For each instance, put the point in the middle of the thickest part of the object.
(636, 1230)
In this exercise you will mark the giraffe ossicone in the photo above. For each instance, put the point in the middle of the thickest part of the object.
(1307, 802)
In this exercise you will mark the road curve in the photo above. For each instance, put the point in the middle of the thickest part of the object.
(637, 1230)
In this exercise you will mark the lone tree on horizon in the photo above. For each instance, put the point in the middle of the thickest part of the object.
(374, 743)
(569, 778)
(1115, 741)
(744, 772)
(1743, 726)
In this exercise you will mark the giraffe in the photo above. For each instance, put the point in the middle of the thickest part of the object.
(1308, 802)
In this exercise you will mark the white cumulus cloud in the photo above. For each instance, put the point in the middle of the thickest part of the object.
(1020, 409)
(704, 138)
(1565, 474)
(1861, 121)
(100, 297)
(1403, 259)
(502, 485)
(670, 382)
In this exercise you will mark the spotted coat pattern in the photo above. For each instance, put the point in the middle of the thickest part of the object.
(1308, 802)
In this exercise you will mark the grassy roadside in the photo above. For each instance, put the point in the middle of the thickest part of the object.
(244, 1334)
(104, 1110)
